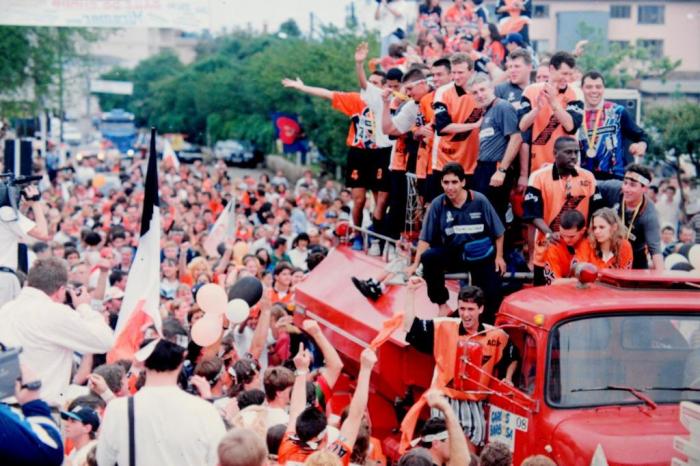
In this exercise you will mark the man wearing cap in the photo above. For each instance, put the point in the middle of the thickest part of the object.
(639, 217)
(514, 41)
(170, 426)
(80, 427)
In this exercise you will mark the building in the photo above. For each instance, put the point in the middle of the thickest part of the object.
(127, 47)
(667, 27)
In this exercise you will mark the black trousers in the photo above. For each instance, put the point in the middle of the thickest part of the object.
(395, 220)
(498, 196)
(439, 260)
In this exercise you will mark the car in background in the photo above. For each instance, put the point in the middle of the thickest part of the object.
(239, 153)
(189, 153)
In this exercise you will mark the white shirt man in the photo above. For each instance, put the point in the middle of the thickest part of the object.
(170, 425)
(49, 331)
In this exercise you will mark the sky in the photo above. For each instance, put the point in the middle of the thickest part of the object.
(231, 13)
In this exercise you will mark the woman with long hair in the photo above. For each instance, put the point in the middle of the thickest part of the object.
(490, 44)
(607, 246)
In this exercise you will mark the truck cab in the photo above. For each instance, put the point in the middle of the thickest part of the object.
(604, 365)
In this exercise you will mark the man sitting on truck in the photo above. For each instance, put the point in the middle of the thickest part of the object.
(558, 255)
(442, 337)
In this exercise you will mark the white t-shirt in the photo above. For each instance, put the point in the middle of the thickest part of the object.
(49, 333)
(242, 342)
(389, 23)
(171, 427)
(12, 232)
(372, 96)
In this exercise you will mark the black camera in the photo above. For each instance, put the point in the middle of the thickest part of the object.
(12, 189)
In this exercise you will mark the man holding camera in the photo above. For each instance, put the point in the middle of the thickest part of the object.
(49, 331)
(16, 228)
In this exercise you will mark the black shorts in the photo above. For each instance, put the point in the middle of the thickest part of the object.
(381, 158)
(359, 170)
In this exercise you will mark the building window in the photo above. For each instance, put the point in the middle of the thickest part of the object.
(619, 44)
(654, 46)
(540, 46)
(650, 14)
(540, 11)
(620, 11)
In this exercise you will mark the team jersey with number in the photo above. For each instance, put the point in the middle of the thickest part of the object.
(362, 120)
(546, 128)
(454, 105)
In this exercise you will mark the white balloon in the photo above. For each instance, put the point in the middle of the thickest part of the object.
(694, 256)
(207, 330)
(211, 298)
(673, 259)
(237, 311)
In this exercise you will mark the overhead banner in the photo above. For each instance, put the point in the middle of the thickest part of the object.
(192, 15)
(103, 86)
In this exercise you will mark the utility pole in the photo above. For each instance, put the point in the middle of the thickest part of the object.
(311, 25)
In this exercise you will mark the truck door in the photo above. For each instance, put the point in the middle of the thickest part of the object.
(509, 412)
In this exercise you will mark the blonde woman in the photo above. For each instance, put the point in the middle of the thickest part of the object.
(607, 246)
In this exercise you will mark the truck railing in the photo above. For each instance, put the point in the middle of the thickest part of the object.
(368, 235)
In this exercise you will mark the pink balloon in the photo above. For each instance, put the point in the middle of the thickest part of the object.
(212, 299)
(207, 330)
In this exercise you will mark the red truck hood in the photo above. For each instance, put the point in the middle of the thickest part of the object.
(630, 435)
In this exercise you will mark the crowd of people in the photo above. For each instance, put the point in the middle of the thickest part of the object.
(518, 164)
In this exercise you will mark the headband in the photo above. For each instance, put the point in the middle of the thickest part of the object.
(430, 438)
(638, 177)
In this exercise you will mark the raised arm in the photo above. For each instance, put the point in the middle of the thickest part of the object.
(360, 56)
(358, 404)
(41, 226)
(259, 341)
(409, 312)
(459, 450)
(299, 85)
(297, 403)
(334, 365)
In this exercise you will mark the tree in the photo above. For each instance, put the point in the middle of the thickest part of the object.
(675, 130)
(33, 59)
(233, 88)
(290, 28)
(620, 64)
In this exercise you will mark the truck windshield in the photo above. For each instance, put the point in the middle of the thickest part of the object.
(624, 359)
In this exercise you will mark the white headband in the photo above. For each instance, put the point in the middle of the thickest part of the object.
(638, 177)
(430, 438)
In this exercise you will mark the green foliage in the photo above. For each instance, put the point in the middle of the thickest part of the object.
(290, 28)
(234, 86)
(675, 128)
(620, 64)
(31, 59)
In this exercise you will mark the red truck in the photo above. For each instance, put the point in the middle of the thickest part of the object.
(603, 366)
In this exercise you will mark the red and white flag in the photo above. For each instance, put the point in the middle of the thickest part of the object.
(141, 303)
(224, 227)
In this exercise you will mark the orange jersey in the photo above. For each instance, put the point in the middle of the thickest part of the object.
(546, 128)
(585, 252)
(453, 105)
(292, 453)
(405, 144)
(548, 195)
(557, 261)
(425, 147)
(362, 120)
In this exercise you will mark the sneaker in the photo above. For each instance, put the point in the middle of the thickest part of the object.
(375, 249)
(357, 243)
(391, 253)
(365, 288)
